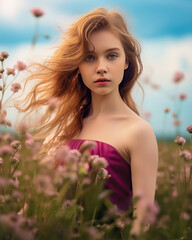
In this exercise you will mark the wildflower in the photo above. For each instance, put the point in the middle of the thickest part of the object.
(189, 129)
(3, 56)
(180, 141)
(20, 66)
(16, 144)
(10, 71)
(45, 185)
(87, 145)
(29, 139)
(83, 169)
(37, 12)
(15, 158)
(177, 122)
(166, 110)
(6, 149)
(20, 227)
(8, 138)
(185, 216)
(178, 76)
(52, 103)
(62, 155)
(153, 210)
(67, 203)
(15, 87)
(17, 173)
(105, 173)
(174, 193)
(100, 162)
(182, 96)
(185, 154)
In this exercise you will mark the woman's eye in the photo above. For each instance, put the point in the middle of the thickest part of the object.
(112, 56)
(89, 58)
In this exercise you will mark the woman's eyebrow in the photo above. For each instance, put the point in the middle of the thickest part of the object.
(108, 50)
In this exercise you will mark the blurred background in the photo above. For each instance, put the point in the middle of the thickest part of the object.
(163, 28)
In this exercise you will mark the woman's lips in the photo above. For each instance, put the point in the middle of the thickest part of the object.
(102, 82)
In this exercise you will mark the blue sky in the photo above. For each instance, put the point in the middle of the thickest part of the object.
(162, 27)
(148, 18)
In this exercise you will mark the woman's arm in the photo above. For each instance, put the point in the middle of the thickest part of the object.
(144, 163)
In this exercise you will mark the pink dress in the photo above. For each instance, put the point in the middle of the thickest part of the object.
(120, 171)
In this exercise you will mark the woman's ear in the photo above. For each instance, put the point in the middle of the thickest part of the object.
(126, 63)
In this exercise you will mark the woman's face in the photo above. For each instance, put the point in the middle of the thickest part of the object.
(107, 61)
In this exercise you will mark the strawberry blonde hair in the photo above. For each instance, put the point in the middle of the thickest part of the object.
(58, 77)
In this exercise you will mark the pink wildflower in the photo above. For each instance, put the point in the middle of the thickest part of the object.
(16, 144)
(185, 216)
(6, 149)
(174, 193)
(182, 96)
(45, 185)
(151, 210)
(185, 154)
(177, 122)
(189, 128)
(15, 158)
(20, 66)
(99, 162)
(180, 140)
(178, 76)
(37, 12)
(52, 103)
(87, 146)
(105, 173)
(29, 139)
(11, 71)
(3, 56)
(166, 110)
(15, 87)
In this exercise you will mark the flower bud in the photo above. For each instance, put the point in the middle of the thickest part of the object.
(189, 129)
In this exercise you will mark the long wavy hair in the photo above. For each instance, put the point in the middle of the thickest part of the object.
(58, 77)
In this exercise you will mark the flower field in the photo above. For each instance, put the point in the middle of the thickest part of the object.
(62, 196)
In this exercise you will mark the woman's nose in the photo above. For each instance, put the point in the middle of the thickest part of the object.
(101, 67)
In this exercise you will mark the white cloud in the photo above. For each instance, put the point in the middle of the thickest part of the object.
(11, 9)
(16, 13)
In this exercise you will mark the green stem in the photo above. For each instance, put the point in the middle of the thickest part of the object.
(36, 34)
(11, 81)
(7, 100)
(185, 178)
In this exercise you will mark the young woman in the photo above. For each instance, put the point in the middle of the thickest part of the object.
(91, 74)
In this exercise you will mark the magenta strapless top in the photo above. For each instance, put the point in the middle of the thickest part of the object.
(120, 171)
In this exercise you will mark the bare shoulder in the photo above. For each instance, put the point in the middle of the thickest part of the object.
(139, 134)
